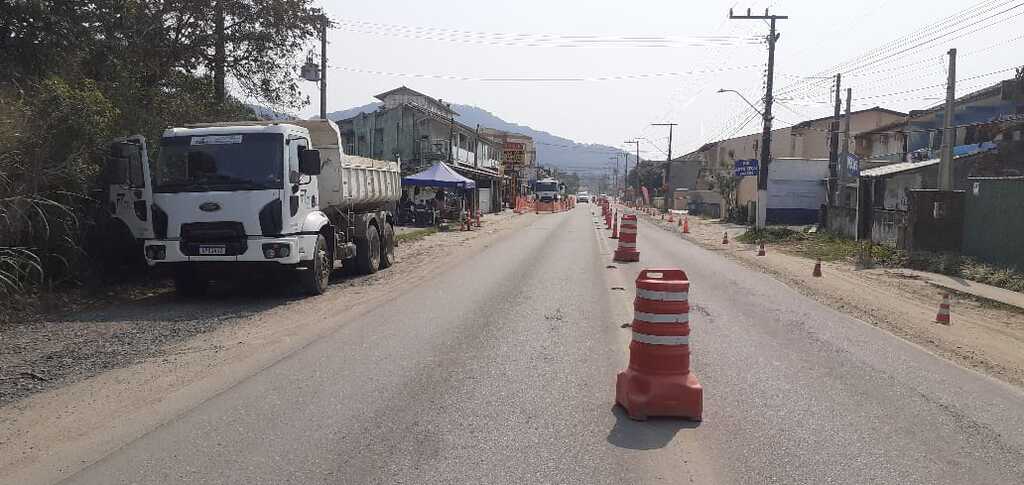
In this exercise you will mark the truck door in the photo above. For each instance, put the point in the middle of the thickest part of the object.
(130, 188)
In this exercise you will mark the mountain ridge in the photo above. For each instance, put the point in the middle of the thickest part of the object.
(552, 150)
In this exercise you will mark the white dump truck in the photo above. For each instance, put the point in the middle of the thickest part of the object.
(548, 190)
(231, 198)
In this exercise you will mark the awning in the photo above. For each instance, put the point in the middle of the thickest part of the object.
(477, 173)
(439, 175)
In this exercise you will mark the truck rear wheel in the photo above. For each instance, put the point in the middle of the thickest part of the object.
(187, 282)
(317, 274)
(368, 252)
(387, 253)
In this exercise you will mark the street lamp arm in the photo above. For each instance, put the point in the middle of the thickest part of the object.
(744, 98)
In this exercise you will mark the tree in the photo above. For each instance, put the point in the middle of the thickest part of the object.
(257, 43)
(725, 183)
(651, 176)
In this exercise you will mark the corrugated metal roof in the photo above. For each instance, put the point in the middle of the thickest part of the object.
(897, 168)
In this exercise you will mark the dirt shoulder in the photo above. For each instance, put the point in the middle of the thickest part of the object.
(114, 372)
(983, 336)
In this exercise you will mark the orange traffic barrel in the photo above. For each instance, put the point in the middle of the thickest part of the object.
(627, 252)
(658, 380)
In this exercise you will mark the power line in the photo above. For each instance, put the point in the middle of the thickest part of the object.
(900, 41)
(937, 31)
(539, 40)
(515, 78)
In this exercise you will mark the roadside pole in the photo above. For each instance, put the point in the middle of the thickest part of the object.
(832, 187)
(766, 132)
(668, 164)
(946, 162)
(323, 70)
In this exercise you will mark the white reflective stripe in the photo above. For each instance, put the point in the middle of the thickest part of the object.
(661, 339)
(662, 317)
(662, 295)
(626, 244)
(627, 231)
(943, 311)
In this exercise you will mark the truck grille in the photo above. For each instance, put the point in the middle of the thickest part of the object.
(231, 235)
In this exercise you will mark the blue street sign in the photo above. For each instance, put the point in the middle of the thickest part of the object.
(745, 168)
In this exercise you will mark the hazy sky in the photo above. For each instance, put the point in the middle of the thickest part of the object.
(469, 51)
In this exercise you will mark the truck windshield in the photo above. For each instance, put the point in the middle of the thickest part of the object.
(250, 161)
(547, 187)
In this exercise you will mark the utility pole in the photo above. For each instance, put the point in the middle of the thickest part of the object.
(946, 162)
(669, 196)
(615, 174)
(844, 153)
(323, 69)
(625, 177)
(833, 147)
(766, 132)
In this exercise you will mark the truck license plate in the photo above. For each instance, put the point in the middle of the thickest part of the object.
(212, 250)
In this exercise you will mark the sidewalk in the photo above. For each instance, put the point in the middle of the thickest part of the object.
(960, 285)
(985, 337)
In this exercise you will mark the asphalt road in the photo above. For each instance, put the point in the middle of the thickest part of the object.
(502, 371)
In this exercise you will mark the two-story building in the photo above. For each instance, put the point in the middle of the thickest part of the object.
(418, 130)
(518, 157)
(807, 140)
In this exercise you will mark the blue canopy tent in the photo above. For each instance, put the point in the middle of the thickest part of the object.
(442, 176)
(439, 175)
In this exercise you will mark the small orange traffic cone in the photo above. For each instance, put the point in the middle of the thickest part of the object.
(670, 218)
(725, 237)
(686, 225)
(817, 268)
(615, 226)
(943, 315)
(760, 250)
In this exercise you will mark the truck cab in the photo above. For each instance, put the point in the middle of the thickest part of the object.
(230, 198)
(548, 190)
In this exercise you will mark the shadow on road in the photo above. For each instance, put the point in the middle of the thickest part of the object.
(652, 434)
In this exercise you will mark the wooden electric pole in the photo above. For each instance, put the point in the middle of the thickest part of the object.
(669, 196)
(323, 69)
(766, 132)
(946, 161)
(625, 178)
(844, 152)
(833, 147)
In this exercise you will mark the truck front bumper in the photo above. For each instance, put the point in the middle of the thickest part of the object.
(281, 252)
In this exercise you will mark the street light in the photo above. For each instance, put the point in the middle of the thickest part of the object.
(744, 98)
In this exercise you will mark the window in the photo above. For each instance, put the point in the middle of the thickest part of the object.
(135, 175)
(293, 153)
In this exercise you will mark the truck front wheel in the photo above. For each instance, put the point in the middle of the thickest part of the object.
(317, 274)
(368, 252)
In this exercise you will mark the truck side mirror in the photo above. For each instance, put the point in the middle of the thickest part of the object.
(115, 170)
(309, 161)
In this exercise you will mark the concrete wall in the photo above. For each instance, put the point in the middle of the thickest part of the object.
(889, 227)
(682, 175)
(993, 227)
(932, 231)
(796, 190)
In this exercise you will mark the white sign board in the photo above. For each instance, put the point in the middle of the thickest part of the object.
(216, 140)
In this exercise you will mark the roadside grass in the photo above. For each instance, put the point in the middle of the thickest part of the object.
(414, 235)
(770, 235)
(830, 246)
